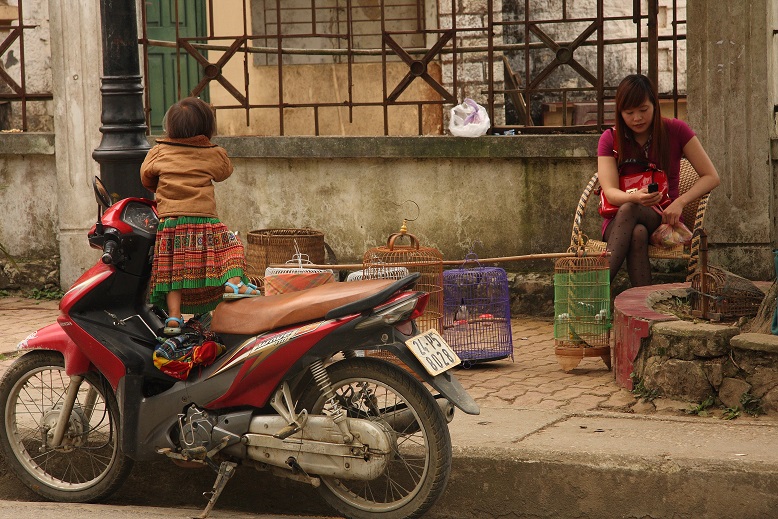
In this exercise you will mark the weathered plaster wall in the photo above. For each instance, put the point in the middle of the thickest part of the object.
(28, 202)
(502, 196)
(513, 195)
(731, 108)
(509, 195)
(76, 71)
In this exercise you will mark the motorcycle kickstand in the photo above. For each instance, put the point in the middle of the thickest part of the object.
(226, 471)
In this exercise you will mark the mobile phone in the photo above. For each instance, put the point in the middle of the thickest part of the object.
(653, 187)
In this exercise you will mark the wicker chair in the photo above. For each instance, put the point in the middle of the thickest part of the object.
(694, 212)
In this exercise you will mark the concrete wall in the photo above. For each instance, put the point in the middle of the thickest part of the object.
(29, 203)
(507, 195)
(731, 107)
(510, 195)
(76, 71)
(28, 198)
(500, 196)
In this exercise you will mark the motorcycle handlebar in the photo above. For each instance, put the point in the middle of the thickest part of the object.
(108, 251)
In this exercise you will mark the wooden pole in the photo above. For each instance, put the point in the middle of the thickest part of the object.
(504, 259)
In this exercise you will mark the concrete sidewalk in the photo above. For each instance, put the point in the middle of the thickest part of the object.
(546, 444)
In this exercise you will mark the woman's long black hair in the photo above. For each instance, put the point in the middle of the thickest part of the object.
(632, 92)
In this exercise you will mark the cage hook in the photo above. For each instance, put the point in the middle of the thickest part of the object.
(404, 228)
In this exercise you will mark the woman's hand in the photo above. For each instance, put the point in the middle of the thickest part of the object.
(672, 213)
(643, 197)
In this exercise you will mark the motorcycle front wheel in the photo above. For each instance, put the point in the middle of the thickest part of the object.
(419, 467)
(88, 465)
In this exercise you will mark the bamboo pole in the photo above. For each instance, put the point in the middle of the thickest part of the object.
(504, 259)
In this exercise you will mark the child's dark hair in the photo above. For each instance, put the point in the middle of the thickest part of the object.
(632, 92)
(188, 118)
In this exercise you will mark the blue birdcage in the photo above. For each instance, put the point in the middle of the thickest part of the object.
(477, 312)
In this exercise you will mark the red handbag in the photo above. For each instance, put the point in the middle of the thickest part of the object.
(637, 181)
(629, 182)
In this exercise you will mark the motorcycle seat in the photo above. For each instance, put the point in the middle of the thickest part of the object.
(255, 315)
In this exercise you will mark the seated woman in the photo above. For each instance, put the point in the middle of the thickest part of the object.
(641, 133)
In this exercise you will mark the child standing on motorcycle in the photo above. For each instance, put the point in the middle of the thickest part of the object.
(197, 260)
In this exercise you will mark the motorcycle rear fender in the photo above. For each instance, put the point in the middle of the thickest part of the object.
(446, 383)
(54, 338)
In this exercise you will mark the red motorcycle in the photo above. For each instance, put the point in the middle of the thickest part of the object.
(291, 394)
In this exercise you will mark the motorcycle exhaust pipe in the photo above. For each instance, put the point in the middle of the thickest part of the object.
(403, 420)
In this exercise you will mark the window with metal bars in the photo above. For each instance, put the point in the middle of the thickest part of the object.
(396, 67)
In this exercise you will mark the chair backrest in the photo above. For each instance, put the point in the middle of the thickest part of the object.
(577, 233)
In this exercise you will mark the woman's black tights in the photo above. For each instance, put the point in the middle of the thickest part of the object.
(627, 236)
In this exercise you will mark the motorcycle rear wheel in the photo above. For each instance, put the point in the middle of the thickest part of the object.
(418, 471)
(88, 466)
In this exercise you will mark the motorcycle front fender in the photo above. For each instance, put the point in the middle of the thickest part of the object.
(445, 383)
(53, 337)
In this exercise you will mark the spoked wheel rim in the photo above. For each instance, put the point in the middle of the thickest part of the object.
(409, 463)
(90, 446)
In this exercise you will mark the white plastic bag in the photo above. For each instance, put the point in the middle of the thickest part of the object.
(469, 120)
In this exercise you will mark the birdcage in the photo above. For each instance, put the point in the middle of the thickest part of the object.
(378, 272)
(477, 312)
(719, 294)
(427, 261)
(296, 274)
(582, 318)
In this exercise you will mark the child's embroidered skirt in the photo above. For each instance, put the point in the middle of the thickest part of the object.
(197, 256)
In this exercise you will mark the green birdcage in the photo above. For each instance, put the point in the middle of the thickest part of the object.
(582, 313)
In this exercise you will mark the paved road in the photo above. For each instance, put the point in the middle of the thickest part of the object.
(26, 510)
(547, 444)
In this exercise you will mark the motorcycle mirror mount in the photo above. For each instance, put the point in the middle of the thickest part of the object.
(101, 193)
(103, 200)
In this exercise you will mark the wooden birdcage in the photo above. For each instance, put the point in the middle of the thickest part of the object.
(425, 260)
(477, 312)
(582, 313)
(718, 294)
(728, 295)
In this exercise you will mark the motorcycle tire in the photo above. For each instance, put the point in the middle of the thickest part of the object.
(88, 466)
(421, 463)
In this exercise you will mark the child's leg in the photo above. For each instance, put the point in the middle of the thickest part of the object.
(174, 322)
(173, 299)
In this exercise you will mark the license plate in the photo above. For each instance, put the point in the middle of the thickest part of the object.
(433, 352)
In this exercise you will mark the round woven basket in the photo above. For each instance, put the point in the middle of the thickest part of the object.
(269, 246)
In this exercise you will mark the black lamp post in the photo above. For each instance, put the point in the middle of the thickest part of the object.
(124, 144)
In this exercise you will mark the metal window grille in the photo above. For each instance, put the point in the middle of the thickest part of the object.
(536, 66)
(21, 106)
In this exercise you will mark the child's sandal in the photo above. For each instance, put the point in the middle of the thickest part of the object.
(251, 290)
(173, 326)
